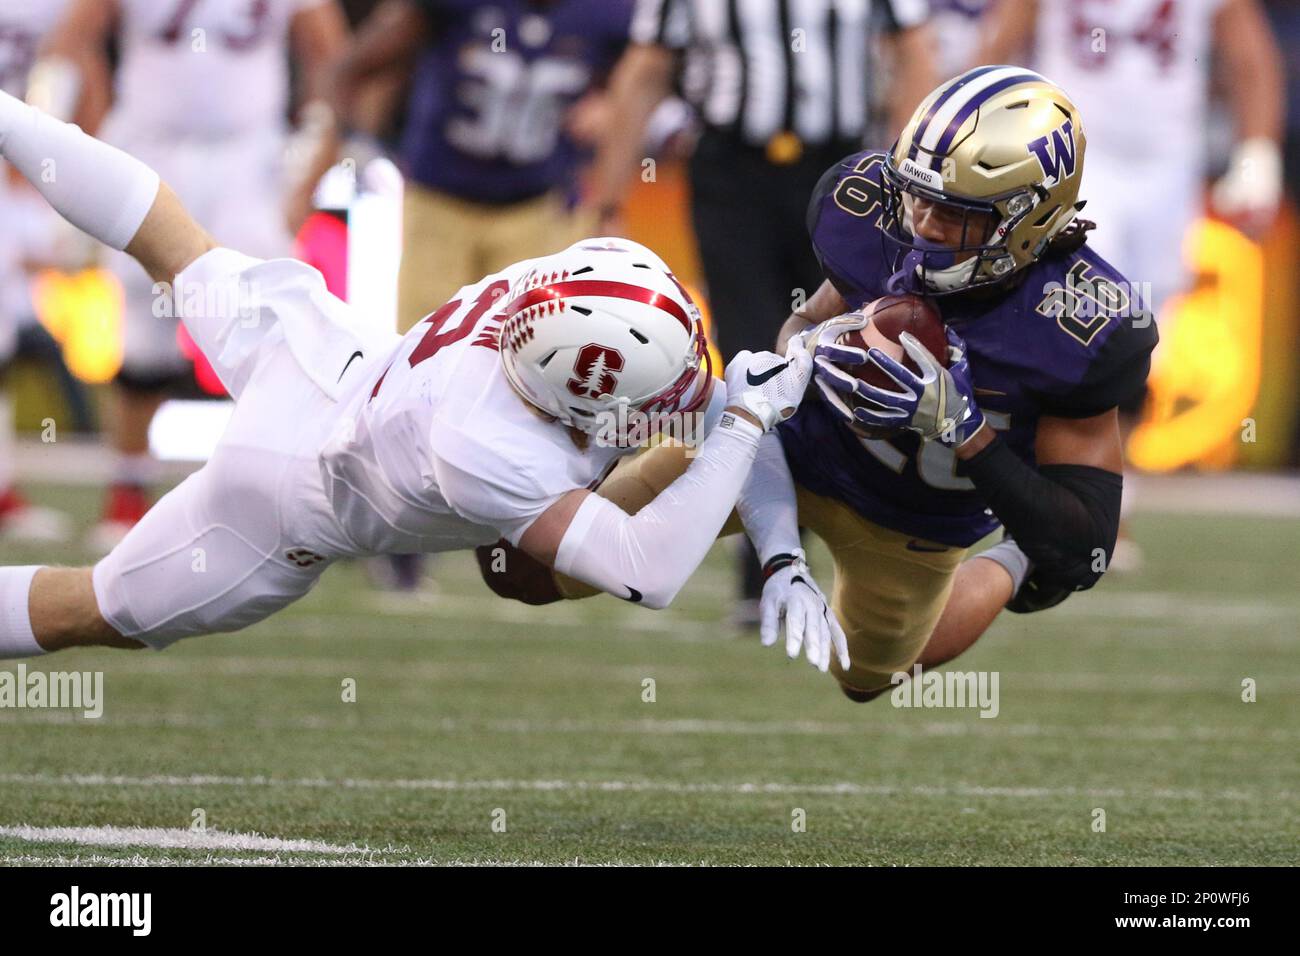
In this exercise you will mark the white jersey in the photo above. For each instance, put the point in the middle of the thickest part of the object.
(1139, 72)
(1137, 69)
(202, 69)
(442, 453)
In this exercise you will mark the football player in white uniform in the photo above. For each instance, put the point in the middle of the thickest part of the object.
(26, 237)
(201, 95)
(348, 440)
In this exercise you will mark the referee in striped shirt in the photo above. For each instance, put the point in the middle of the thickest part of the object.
(783, 89)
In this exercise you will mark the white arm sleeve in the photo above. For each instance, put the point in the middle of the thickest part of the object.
(767, 504)
(647, 557)
(96, 187)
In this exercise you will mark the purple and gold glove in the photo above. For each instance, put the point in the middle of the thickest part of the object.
(938, 403)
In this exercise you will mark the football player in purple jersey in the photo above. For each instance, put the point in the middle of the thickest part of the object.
(975, 206)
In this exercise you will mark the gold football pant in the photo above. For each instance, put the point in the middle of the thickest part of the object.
(449, 242)
(889, 588)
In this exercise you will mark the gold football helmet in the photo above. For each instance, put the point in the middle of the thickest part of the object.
(1002, 147)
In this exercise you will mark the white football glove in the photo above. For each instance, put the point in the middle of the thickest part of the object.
(1252, 186)
(791, 595)
(767, 386)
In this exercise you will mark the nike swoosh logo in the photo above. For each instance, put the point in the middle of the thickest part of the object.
(355, 356)
(633, 594)
(773, 372)
(918, 545)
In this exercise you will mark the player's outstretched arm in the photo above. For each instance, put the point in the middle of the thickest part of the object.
(641, 80)
(770, 513)
(101, 190)
(647, 557)
(71, 78)
(1007, 30)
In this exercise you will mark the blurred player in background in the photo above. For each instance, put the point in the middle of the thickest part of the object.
(202, 93)
(1140, 72)
(486, 146)
(499, 96)
(783, 90)
(26, 235)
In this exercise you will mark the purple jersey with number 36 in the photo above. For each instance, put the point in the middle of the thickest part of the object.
(491, 91)
(1065, 340)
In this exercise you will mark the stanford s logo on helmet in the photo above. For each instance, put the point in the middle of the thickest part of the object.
(593, 372)
(604, 324)
(997, 144)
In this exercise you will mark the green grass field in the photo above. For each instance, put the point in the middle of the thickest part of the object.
(470, 710)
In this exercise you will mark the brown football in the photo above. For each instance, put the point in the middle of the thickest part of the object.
(891, 316)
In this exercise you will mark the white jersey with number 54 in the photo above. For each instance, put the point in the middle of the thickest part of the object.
(1137, 69)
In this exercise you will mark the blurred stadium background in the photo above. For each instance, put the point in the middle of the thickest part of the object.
(1244, 312)
(1127, 698)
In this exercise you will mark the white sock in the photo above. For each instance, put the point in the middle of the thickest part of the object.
(16, 637)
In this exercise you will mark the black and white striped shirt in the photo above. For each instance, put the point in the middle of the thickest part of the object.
(757, 68)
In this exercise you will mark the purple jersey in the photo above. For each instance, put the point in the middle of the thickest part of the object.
(1065, 341)
(490, 92)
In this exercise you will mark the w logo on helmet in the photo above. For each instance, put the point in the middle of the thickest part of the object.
(1056, 153)
(593, 371)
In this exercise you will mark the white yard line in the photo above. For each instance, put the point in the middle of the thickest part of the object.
(165, 781)
(909, 730)
(172, 838)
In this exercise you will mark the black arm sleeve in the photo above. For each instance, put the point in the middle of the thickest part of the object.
(1064, 517)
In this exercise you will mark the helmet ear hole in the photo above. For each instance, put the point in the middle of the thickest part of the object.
(1042, 220)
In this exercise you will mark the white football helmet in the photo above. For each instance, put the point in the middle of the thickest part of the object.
(602, 324)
